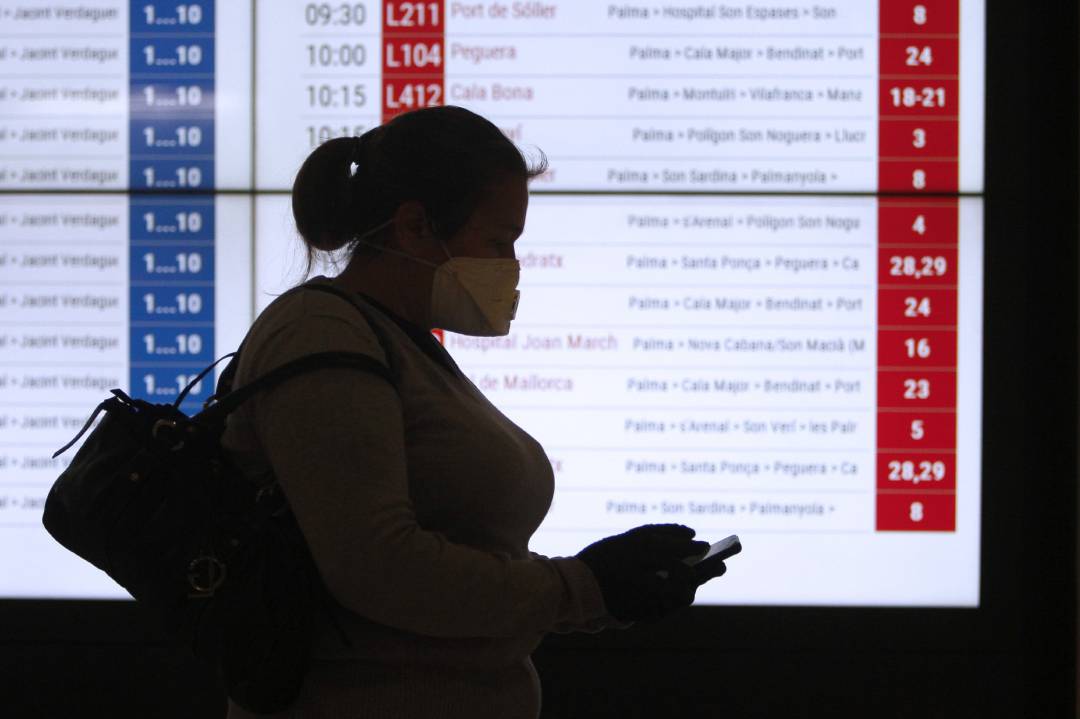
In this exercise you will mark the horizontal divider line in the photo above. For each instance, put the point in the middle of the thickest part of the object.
(539, 246)
(448, 35)
(720, 490)
(64, 158)
(713, 450)
(902, 450)
(632, 118)
(884, 197)
(642, 77)
(670, 368)
(647, 409)
(726, 528)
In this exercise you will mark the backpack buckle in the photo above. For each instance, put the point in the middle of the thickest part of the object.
(166, 424)
(205, 575)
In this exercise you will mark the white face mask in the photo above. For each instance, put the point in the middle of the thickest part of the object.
(470, 295)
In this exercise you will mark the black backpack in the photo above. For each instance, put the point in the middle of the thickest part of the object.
(152, 500)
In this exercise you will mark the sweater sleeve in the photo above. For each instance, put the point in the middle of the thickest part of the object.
(578, 574)
(335, 441)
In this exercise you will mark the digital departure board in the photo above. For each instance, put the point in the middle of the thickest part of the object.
(752, 276)
(805, 371)
(793, 97)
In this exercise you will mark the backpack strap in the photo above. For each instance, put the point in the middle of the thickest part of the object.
(226, 399)
(225, 379)
(206, 370)
(376, 330)
(319, 360)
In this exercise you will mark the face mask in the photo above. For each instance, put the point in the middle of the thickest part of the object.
(470, 295)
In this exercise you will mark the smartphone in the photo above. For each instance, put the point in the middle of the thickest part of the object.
(708, 562)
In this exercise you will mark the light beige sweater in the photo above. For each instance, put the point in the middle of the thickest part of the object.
(418, 510)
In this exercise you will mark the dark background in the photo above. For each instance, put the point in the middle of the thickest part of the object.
(1014, 656)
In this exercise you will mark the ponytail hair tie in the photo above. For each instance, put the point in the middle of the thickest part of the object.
(355, 157)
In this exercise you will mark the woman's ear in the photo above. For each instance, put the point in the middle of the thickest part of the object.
(412, 229)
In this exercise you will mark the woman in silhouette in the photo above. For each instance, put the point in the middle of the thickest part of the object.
(417, 498)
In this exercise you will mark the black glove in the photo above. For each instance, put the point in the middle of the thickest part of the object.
(626, 567)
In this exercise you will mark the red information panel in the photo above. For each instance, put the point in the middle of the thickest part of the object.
(920, 17)
(925, 138)
(920, 175)
(918, 96)
(917, 222)
(916, 512)
(918, 147)
(916, 471)
(413, 56)
(917, 266)
(929, 55)
(916, 430)
(917, 347)
(916, 389)
(923, 307)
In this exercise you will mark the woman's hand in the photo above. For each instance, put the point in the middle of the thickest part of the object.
(626, 566)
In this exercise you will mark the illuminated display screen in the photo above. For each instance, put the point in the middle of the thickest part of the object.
(752, 274)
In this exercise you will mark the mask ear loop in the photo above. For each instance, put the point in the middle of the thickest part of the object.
(362, 239)
(435, 233)
(445, 249)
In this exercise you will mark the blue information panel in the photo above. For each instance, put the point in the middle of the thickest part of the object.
(171, 148)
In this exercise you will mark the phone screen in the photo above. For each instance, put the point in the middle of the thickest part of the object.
(727, 547)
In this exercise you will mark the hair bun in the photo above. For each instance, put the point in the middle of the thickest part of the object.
(322, 196)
